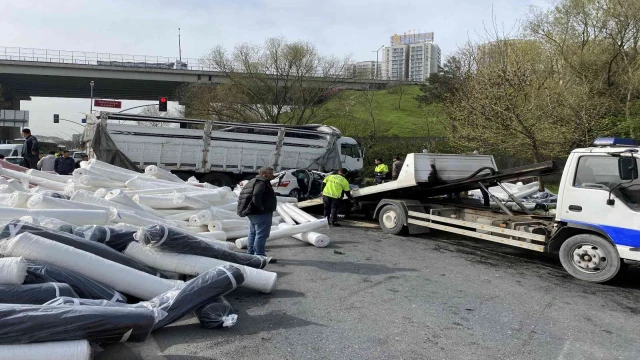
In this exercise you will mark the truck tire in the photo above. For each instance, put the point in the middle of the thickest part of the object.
(391, 220)
(217, 179)
(590, 258)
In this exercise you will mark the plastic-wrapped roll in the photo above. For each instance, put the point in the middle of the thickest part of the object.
(199, 291)
(194, 221)
(280, 209)
(151, 304)
(156, 201)
(120, 197)
(125, 226)
(232, 206)
(256, 279)
(150, 210)
(50, 223)
(212, 196)
(204, 216)
(138, 284)
(41, 272)
(101, 193)
(87, 180)
(228, 224)
(112, 175)
(117, 239)
(40, 201)
(242, 233)
(13, 270)
(48, 176)
(87, 198)
(293, 230)
(34, 294)
(95, 163)
(19, 199)
(214, 235)
(166, 239)
(75, 217)
(180, 214)
(140, 183)
(16, 227)
(40, 323)
(159, 173)
(135, 218)
(58, 350)
(311, 237)
(286, 199)
(291, 208)
(180, 200)
(7, 165)
(216, 314)
(220, 214)
(78, 173)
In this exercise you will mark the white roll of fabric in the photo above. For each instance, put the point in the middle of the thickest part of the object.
(156, 201)
(283, 233)
(103, 165)
(75, 217)
(181, 200)
(117, 195)
(4, 199)
(125, 226)
(156, 191)
(232, 206)
(228, 224)
(194, 221)
(138, 284)
(220, 214)
(144, 183)
(292, 208)
(212, 196)
(214, 235)
(286, 199)
(300, 219)
(134, 218)
(182, 215)
(87, 180)
(284, 214)
(74, 187)
(87, 198)
(101, 193)
(39, 201)
(19, 199)
(150, 210)
(48, 176)
(13, 270)
(56, 350)
(242, 233)
(159, 173)
(112, 175)
(310, 237)
(78, 173)
(256, 279)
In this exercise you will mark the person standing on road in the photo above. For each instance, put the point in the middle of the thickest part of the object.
(64, 165)
(396, 167)
(47, 163)
(381, 171)
(257, 201)
(30, 150)
(84, 158)
(333, 187)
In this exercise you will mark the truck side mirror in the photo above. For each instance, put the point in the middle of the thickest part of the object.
(627, 168)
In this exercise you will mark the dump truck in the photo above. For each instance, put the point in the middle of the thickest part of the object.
(220, 153)
(594, 229)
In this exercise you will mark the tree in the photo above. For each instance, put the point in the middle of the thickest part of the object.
(399, 89)
(277, 82)
(153, 111)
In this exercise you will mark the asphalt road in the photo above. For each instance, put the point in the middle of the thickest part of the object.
(375, 296)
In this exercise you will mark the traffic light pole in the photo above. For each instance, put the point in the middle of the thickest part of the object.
(135, 107)
(77, 123)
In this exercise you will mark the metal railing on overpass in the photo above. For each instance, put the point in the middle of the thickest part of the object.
(121, 60)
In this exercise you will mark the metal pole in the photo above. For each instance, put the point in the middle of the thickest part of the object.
(179, 46)
(91, 99)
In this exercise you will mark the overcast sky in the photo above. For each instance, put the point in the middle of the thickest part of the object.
(149, 27)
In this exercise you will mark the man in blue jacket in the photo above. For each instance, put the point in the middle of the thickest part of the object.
(30, 150)
(64, 165)
(258, 201)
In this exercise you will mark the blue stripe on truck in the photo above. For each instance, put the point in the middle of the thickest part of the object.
(620, 236)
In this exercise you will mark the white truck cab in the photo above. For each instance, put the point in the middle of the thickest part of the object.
(350, 153)
(598, 210)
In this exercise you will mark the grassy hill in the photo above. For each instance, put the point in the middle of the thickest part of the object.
(350, 111)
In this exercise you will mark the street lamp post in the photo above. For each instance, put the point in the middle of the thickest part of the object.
(91, 100)
(377, 63)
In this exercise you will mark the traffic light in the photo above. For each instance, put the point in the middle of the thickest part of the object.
(162, 104)
(56, 118)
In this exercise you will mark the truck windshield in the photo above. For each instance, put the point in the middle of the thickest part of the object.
(351, 150)
(601, 172)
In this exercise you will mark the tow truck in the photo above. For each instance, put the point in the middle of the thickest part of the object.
(595, 228)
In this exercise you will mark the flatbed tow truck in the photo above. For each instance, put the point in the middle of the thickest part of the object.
(595, 228)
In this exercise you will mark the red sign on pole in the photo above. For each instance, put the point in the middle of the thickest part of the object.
(107, 103)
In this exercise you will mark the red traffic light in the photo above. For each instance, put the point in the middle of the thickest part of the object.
(163, 99)
(162, 104)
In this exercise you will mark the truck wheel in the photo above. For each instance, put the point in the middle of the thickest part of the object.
(217, 179)
(390, 219)
(590, 257)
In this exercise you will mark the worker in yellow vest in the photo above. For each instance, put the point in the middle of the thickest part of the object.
(380, 172)
(333, 187)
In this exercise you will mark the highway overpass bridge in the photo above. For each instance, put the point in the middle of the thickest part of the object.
(50, 73)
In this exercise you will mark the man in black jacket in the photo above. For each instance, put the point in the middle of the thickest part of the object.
(30, 150)
(64, 165)
(257, 201)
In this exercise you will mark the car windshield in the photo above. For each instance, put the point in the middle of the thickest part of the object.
(5, 152)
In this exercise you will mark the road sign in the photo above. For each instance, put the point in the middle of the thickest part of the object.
(107, 103)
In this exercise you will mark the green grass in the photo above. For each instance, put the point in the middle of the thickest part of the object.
(349, 112)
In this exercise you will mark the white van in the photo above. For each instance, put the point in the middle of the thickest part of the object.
(12, 152)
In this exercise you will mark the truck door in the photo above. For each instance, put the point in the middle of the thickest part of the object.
(350, 156)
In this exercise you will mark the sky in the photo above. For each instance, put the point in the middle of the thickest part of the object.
(354, 28)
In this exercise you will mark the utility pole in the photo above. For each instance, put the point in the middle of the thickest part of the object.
(179, 47)
(91, 103)
(377, 77)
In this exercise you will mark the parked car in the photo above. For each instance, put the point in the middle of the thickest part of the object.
(77, 155)
(299, 183)
(12, 153)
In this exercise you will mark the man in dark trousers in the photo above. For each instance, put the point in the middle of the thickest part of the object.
(257, 201)
(396, 167)
(64, 165)
(30, 150)
(333, 187)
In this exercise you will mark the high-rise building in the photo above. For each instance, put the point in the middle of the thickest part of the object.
(395, 62)
(424, 59)
(411, 57)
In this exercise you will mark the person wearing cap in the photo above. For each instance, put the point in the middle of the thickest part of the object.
(333, 187)
(30, 150)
